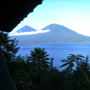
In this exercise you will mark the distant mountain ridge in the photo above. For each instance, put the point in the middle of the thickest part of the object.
(23, 31)
(56, 34)
(26, 29)
(54, 26)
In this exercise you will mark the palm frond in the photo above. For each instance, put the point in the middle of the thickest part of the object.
(64, 60)
(63, 65)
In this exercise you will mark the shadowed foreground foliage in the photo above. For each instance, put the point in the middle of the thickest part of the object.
(34, 75)
(7, 53)
(36, 71)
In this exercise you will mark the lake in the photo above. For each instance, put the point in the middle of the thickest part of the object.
(57, 51)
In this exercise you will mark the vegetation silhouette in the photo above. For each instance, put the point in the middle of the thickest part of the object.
(11, 13)
(37, 72)
(72, 61)
(7, 53)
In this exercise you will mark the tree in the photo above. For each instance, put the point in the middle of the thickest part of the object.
(83, 70)
(72, 61)
(39, 58)
(84, 65)
(8, 46)
(80, 67)
(39, 65)
(7, 51)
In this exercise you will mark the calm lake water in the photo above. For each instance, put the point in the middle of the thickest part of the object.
(57, 51)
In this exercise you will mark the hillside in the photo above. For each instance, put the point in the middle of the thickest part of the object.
(24, 30)
(56, 34)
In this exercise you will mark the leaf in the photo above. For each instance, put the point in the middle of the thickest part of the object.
(64, 65)
(64, 60)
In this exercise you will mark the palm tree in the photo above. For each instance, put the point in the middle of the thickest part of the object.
(71, 61)
(39, 65)
(84, 68)
(84, 64)
(81, 65)
(39, 58)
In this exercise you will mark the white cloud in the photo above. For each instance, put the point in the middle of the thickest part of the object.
(28, 33)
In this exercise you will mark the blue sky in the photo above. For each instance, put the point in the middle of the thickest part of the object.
(74, 14)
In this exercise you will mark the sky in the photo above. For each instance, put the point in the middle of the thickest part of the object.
(74, 14)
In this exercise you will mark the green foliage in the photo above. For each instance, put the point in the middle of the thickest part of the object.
(8, 46)
(36, 71)
(27, 76)
(20, 73)
(8, 50)
(72, 61)
(39, 63)
(80, 75)
(39, 59)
